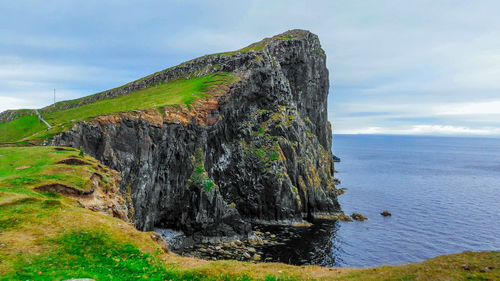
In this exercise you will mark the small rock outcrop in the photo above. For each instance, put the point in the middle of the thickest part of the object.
(262, 153)
(343, 217)
(358, 217)
(386, 213)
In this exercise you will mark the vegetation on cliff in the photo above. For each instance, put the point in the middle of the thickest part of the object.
(177, 92)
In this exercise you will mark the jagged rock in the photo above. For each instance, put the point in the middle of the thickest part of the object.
(358, 217)
(343, 217)
(266, 157)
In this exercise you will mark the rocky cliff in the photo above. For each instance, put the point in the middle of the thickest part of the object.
(258, 150)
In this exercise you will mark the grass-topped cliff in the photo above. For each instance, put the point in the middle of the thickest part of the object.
(45, 235)
(173, 86)
(64, 114)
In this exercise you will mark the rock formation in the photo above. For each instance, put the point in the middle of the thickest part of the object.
(258, 150)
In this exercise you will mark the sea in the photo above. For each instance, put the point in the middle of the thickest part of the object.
(443, 194)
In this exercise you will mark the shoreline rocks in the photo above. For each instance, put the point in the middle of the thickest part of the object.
(358, 217)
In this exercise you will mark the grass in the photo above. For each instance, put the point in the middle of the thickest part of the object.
(23, 168)
(172, 93)
(20, 128)
(97, 255)
(200, 175)
(47, 236)
(183, 91)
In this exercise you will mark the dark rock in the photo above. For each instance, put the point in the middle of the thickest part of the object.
(358, 217)
(386, 213)
(266, 158)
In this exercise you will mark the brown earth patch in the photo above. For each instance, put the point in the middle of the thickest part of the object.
(23, 167)
(62, 149)
(64, 189)
(73, 161)
(159, 240)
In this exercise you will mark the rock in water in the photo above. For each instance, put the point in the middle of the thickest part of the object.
(358, 217)
(386, 213)
(343, 217)
(257, 150)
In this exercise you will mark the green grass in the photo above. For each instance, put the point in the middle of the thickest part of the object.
(172, 93)
(22, 167)
(200, 175)
(97, 255)
(183, 91)
(21, 128)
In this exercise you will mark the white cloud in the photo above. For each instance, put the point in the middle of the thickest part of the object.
(14, 69)
(425, 129)
(471, 108)
(15, 103)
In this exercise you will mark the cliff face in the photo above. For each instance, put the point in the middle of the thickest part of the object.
(257, 151)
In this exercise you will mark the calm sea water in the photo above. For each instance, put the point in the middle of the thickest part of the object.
(443, 193)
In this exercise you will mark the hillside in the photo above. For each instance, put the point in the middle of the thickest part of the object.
(48, 235)
(24, 125)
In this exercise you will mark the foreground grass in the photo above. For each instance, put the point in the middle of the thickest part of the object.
(177, 92)
(97, 255)
(46, 236)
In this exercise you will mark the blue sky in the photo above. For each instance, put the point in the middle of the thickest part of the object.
(396, 67)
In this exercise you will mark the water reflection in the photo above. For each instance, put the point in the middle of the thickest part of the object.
(315, 244)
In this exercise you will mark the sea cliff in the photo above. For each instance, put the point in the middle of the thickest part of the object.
(255, 150)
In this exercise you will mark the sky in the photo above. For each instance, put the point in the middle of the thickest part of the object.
(396, 67)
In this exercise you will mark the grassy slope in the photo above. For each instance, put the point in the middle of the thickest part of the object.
(172, 93)
(20, 128)
(45, 236)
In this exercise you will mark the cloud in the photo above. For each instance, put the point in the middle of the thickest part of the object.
(15, 103)
(471, 108)
(425, 129)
